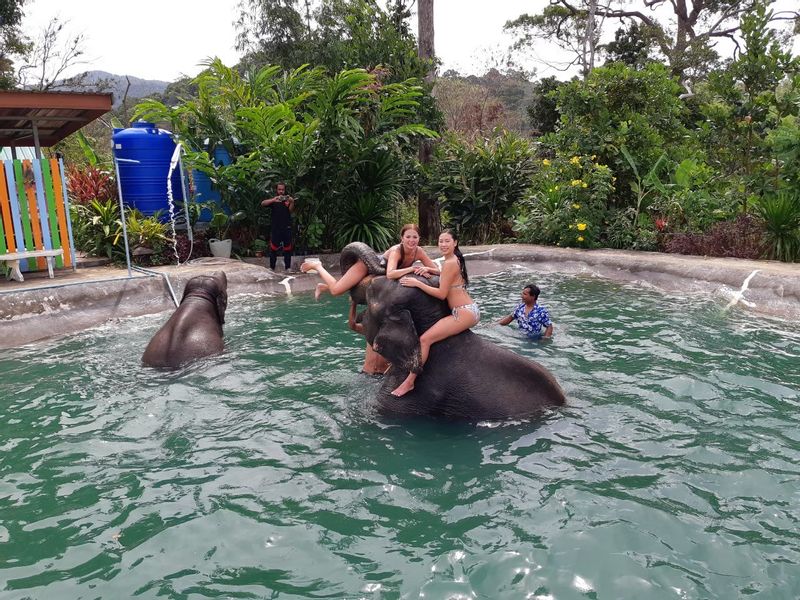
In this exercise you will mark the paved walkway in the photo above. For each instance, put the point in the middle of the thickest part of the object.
(40, 307)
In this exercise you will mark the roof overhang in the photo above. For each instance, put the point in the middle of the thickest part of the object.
(48, 116)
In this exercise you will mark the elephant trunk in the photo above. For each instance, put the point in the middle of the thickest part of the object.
(355, 251)
(358, 251)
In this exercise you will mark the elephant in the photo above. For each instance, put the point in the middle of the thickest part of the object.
(466, 376)
(195, 328)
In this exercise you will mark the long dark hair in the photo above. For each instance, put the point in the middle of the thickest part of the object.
(459, 256)
(405, 228)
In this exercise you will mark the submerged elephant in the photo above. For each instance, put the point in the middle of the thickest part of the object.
(465, 377)
(195, 328)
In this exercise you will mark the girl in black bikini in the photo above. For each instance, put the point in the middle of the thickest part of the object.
(400, 261)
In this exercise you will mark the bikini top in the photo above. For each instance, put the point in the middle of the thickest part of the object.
(413, 258)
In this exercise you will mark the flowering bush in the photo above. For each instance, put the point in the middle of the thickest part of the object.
(567, 202)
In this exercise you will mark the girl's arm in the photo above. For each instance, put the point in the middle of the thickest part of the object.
(428, 265)
(446, 279)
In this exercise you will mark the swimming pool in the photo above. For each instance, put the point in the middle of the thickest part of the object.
(264, 473)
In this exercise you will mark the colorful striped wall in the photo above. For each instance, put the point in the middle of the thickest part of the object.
(34, 210)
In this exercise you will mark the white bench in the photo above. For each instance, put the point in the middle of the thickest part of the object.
(12, 260)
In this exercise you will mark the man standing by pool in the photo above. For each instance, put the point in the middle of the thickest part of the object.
(282, 207)
(531, 317)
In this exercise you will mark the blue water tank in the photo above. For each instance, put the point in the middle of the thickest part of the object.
(204, 190)
(143, 154)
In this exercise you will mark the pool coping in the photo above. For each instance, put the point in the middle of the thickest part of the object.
(43, 308)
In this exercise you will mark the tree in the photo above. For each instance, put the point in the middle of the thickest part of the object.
(575, 30)
(543, 110)
(631, 46)
(687, 46)
(335, 34)
(50, 57)
(12, 42)
(468, 108)
(429, 217)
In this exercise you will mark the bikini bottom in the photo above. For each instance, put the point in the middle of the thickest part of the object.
(473, 308)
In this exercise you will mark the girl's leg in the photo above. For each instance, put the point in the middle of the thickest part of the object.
(442, 329)
(349, 280)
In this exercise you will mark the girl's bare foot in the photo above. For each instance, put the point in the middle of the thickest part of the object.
(321, 287)
(403, 388)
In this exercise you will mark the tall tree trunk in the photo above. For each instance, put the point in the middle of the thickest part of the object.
(429, 218)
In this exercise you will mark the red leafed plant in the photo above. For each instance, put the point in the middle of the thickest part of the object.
(90, 183)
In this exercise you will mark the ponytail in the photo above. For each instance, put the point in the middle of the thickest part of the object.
(463, 264)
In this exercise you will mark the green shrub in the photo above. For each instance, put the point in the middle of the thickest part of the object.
(97, 230)
(781, 216)
(479, 183)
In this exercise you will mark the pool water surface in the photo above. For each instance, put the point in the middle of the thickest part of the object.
(264, 473)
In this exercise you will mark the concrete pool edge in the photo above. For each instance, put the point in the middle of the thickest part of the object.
(67, 304)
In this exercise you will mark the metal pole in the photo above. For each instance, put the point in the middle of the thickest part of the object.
(122, 210)
(36, 146)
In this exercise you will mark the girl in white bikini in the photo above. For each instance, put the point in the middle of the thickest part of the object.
(453, 287)
(401, 259)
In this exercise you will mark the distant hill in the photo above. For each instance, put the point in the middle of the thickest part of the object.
(103, 81)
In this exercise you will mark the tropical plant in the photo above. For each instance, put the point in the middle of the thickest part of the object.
(221, 220)
(479, 183)
(781, 216)
(97, 228)
(644, 186)
(316, 133)
(147, 232)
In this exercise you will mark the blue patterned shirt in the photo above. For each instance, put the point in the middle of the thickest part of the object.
(535, 323)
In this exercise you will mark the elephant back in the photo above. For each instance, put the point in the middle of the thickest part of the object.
(355, 251)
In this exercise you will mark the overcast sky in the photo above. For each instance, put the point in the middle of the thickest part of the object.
(164, 39)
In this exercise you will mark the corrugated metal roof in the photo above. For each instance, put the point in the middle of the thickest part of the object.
(22, 153)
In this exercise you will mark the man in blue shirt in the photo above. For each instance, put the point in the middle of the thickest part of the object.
(532, 318)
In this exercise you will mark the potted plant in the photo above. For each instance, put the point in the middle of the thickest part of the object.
(220, 244)
(259, 247)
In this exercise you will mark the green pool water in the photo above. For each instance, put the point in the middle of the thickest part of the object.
(674, 472)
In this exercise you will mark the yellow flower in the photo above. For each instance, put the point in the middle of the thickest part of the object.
(576, 206)
(580, 238)
(575, 160)
(581, 226)
(584, 185)
(594, 156)
(555, 187)
(546, 162)
(576, 183)
(570, 226)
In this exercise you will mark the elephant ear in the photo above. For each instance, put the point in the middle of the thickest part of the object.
(397, 341)
(222, 305)
(222, 295)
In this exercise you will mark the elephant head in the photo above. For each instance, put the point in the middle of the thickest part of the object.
(195, 328)
(396, 316)
(213, 288)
